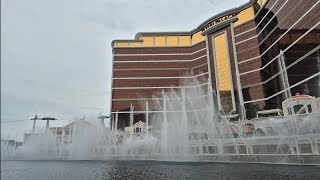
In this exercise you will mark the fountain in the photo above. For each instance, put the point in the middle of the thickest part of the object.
(186, 127)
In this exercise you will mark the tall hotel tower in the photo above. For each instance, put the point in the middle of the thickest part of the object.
(253, 57)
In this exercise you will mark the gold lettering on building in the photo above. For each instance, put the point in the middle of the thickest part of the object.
(218, 20)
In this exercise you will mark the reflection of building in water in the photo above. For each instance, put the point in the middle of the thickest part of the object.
(254, 56)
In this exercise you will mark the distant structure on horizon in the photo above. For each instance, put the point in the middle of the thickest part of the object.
(62, 133)
(253, 58)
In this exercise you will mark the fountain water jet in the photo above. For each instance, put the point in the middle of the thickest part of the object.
(181, 126)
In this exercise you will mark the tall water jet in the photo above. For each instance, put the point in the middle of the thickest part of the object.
(147, 120)
(131, 115)
(164, 132)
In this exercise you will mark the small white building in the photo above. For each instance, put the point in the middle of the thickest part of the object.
(137, 128)
(300, 104)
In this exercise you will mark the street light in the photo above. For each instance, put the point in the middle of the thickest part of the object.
(101, 117)
(44, 119)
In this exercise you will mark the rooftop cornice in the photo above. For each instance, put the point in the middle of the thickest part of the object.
(125, 40)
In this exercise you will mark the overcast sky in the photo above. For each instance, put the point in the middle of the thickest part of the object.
(56, 54)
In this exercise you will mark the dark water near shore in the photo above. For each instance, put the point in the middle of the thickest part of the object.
(33, 170)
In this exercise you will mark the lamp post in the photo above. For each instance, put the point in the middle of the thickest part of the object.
(101, 117)
(34, 123)
(48, 119)
(45, 119)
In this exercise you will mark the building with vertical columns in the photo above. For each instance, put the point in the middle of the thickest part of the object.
(252, 57)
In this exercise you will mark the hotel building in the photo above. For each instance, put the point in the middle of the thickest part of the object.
(252, 57)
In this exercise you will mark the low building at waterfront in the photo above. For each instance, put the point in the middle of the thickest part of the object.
(63, 132)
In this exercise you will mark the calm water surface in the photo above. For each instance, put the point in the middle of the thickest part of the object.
(86, 170)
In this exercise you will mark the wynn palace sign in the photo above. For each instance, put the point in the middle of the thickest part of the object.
(218, 20)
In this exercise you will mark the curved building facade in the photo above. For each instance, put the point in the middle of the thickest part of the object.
(252, 58)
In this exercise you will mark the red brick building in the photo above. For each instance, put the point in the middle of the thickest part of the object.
(254, 56)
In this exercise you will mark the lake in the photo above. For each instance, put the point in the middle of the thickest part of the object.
(86, 170)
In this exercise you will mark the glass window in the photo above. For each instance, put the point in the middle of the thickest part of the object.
(184, 40)
(160, 41)
(205, 149)
(223, 72)
(213, 149)
(309, 108)
(229, 149)
(208, 149)
(242, 149)
(305, 148)
(299, 109)
(289, 111)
